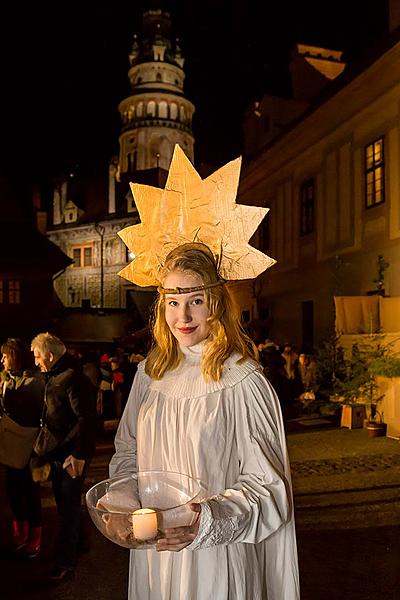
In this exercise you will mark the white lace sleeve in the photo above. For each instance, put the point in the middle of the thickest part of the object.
(214, 531)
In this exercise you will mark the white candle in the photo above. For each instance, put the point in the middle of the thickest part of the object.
(144, 524)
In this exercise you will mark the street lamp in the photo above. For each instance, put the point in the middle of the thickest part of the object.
(100, 229)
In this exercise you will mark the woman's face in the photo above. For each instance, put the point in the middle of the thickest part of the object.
(186, 314)
(6, 361)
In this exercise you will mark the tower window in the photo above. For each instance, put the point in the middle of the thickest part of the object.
(151, 109)
(307, 207)
(70, 216)
(374, 174)
(163, 109)
(132, 156)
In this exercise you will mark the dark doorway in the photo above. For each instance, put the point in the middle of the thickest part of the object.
(307, 320)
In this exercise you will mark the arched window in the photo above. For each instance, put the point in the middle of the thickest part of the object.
(139, 109)
(163, 110)
(132, 160)
(151, 109)
(159, 77)
(182, 114)
(174, 111)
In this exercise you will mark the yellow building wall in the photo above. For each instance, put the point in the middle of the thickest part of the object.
(339, 257)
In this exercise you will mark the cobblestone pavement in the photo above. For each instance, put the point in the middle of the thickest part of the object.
(345, 464)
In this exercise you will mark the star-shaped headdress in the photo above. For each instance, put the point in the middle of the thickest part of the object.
(191, 209)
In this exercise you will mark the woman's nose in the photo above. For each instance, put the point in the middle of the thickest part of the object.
(184, 313)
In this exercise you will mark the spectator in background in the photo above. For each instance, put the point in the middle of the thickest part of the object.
(91, 368)
(292, 383)
(123, 372)
(21, 397)
(274, 369)
(106, 401)
(116, 384)
(70, 414)
(290, 357)
(307, 371)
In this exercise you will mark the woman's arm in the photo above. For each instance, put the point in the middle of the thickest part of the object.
(260, 502)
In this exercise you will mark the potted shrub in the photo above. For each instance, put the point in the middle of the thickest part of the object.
(370, 358)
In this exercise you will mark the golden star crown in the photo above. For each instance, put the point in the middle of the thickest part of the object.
(191, 209)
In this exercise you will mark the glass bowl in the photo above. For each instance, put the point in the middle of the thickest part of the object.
(133, 510)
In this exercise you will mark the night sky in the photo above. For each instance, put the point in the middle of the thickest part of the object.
(65, 65)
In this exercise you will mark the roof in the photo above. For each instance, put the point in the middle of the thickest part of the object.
(352, 71)
(90, 194)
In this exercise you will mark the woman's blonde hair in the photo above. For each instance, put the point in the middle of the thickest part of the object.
(226, 333)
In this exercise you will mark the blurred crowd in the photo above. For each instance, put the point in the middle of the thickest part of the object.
(111, 374)
(293, 374)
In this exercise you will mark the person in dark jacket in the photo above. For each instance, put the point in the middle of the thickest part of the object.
(21, 397)
(70, 414)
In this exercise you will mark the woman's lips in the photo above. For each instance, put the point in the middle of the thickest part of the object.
(186, 329)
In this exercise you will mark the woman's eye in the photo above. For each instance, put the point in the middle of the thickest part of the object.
(198, 301)
(172, 303)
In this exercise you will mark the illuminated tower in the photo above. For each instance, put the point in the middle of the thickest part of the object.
(156, 115)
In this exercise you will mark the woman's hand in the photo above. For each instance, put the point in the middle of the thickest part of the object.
(178, 538)
(73, 466)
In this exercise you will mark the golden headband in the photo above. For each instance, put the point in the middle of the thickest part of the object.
(189, 290)
(191, 209)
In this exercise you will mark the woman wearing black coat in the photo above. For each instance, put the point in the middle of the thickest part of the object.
(21, 395)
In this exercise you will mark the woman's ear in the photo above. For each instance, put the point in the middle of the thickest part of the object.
(51, 357)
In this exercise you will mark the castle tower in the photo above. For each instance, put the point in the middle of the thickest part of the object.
(156, 115)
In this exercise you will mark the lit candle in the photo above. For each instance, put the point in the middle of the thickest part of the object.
(144, 524)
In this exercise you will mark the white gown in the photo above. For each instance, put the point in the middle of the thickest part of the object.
(229, 434)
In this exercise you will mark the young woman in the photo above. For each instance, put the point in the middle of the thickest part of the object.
(200, 405)
(22, 391)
